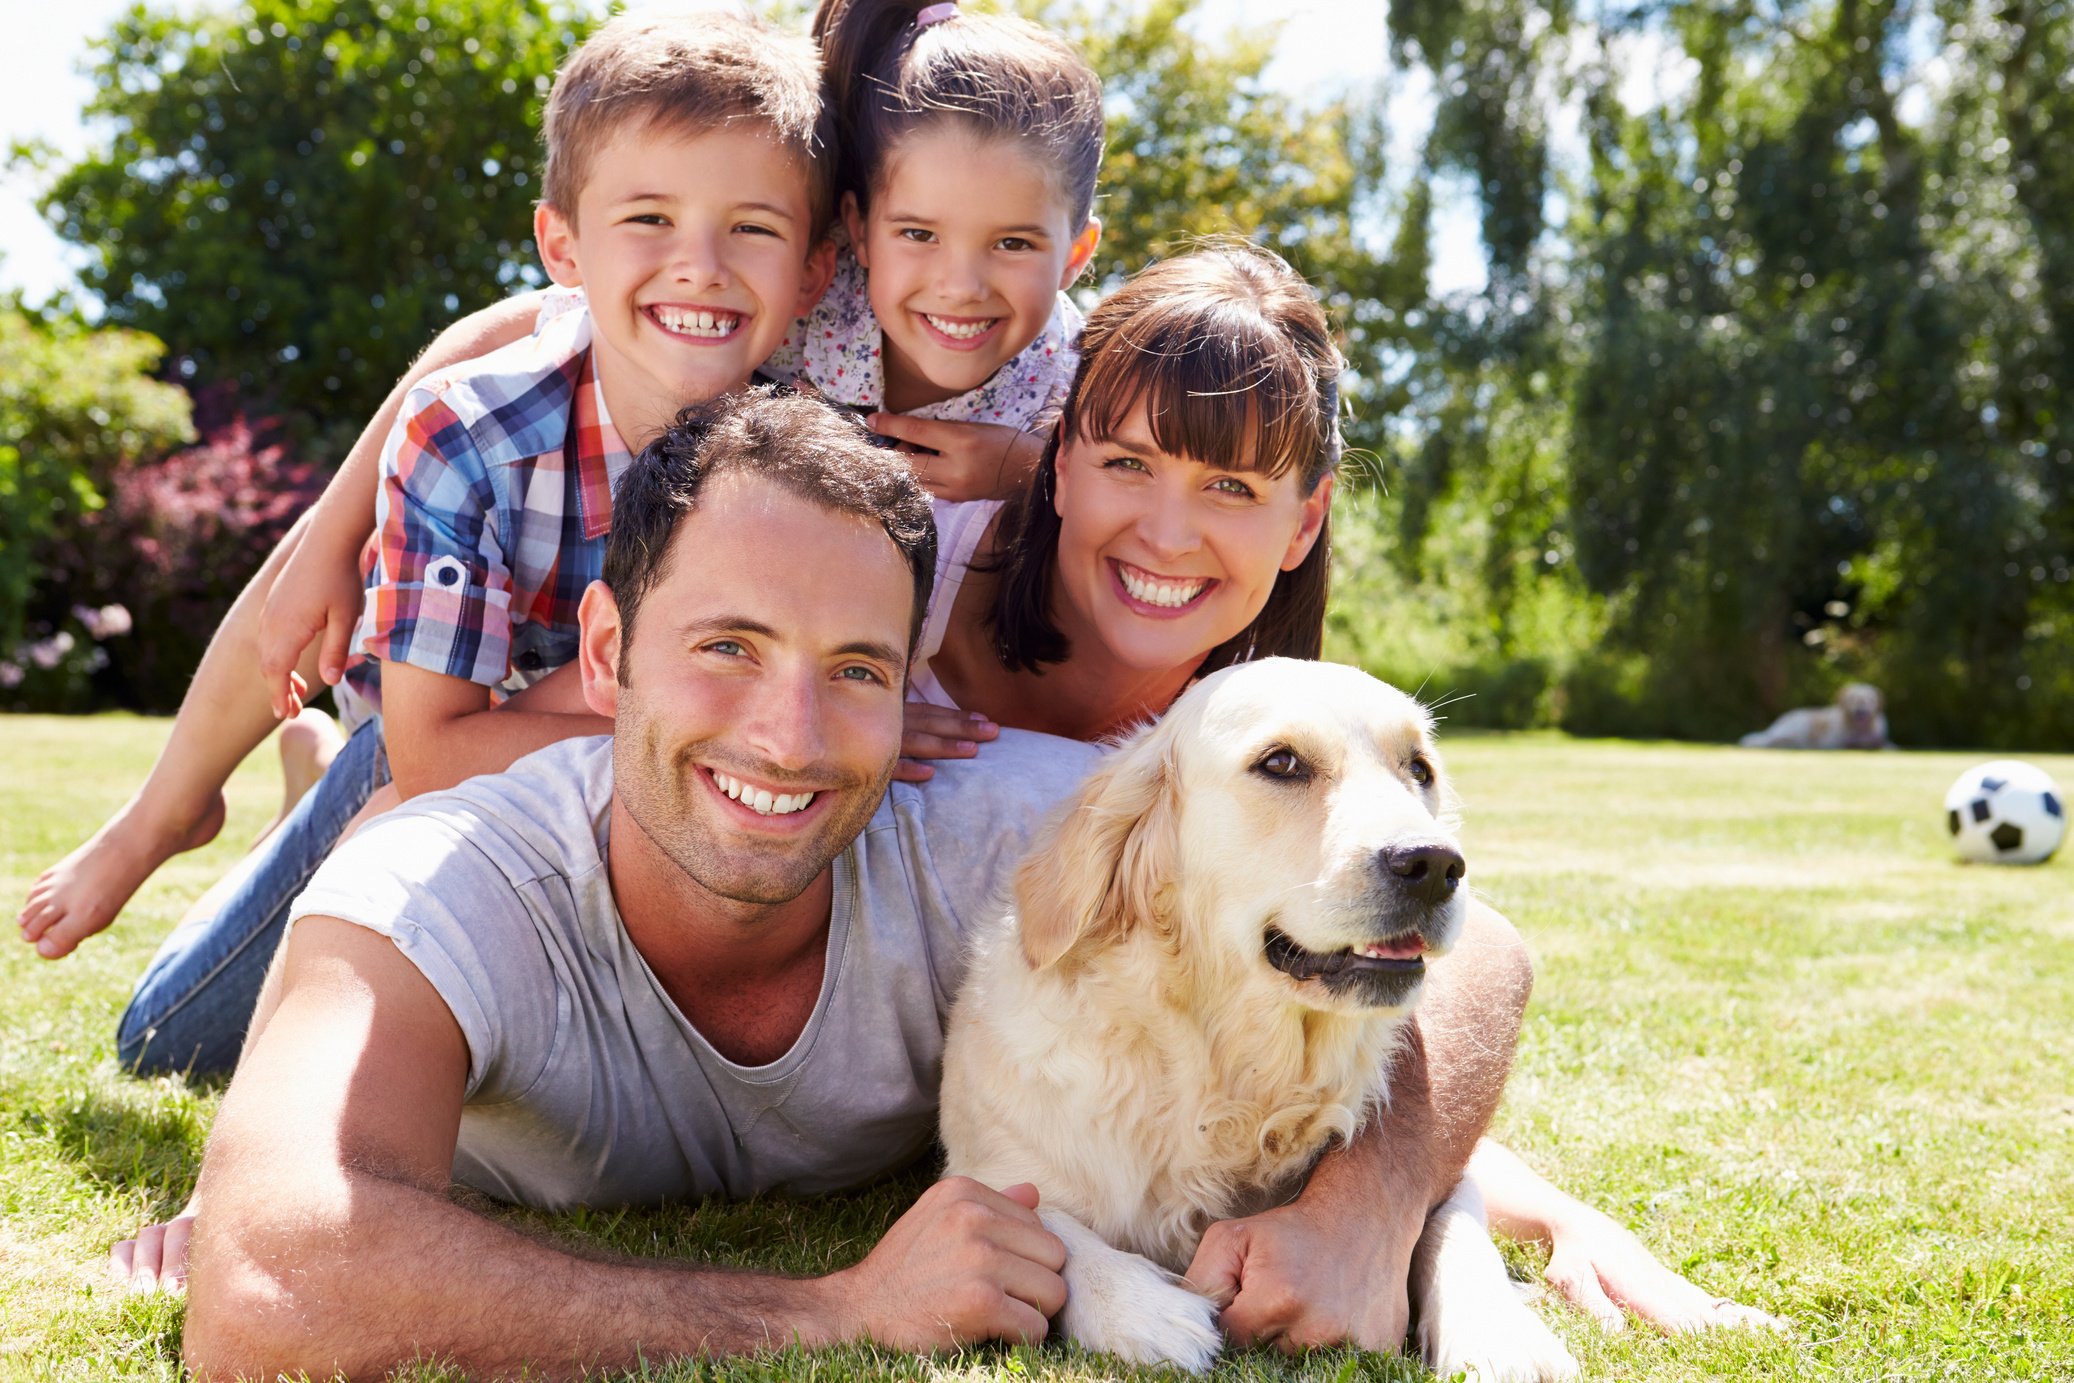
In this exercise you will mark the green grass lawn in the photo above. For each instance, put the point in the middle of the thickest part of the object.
(1816, 1065)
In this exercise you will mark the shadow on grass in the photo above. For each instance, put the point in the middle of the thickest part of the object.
(147, 1137)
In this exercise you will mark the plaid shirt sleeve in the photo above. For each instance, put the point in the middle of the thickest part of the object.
(441, 598)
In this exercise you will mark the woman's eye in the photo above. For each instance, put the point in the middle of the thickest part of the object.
(1125, 463)
(1236, 489)
(1283, 764)
(1421, 773)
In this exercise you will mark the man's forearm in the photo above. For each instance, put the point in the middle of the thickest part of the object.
(383, 1272)
(427, 758)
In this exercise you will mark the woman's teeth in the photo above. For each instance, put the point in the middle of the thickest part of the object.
(761, 800)
(959, 330)
(1170, 595)
(697, 322)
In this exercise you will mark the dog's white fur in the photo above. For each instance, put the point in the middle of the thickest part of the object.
(1122, 1042)
(1856, 721)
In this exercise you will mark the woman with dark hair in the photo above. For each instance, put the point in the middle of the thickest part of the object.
(1179, 522)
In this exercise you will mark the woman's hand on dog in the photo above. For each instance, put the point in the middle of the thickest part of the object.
(965, 1263)
(938, 732)
(1294, 1279)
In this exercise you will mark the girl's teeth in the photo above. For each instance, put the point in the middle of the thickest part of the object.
(958, 331)
(761, 800)
(686, 322)
(1170, 595)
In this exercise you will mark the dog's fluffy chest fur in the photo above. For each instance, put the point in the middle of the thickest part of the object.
(1142, 1099)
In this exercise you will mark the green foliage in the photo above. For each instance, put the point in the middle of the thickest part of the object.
(299, 193)
(74, 406)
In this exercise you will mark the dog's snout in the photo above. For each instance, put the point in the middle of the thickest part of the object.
(1430, 871)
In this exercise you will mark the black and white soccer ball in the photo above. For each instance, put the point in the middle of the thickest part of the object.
(2005, 812)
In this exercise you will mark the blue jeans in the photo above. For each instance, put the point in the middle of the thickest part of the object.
(190, 1011)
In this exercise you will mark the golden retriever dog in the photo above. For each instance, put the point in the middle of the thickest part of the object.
(1213, 952)
(1856, 721)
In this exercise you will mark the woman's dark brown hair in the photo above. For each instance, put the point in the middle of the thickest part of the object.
(994, 75)
(1233, 360)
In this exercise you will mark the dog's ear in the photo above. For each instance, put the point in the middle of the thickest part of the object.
(1107, 863)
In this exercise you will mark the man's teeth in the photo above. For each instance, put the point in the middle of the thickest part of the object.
(1170, 594)
(697, 323)
(761, 800)
(957, 330)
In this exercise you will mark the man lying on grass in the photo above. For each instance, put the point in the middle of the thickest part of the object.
(711, 954)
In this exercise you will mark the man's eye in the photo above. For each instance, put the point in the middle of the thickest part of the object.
(861, 674)
(726, 648)
(1421, 773)
(1283, 764)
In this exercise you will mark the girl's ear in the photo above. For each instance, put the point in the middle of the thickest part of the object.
(598, 648)
(1315, 508)
(820, 272)
(1083, 251)
(557, 241)
(853, 222)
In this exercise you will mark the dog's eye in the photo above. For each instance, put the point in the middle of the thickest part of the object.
(1421, 773)
(1283, 764)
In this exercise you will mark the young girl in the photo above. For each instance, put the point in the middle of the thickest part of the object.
(972, 143)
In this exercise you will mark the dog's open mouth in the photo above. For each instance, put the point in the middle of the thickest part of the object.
(1403, 954)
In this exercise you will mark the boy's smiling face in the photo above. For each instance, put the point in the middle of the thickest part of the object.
(695, 251)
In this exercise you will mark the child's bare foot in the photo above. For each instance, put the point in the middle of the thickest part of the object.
(82, 893)
(157, 1257)
(308, 744)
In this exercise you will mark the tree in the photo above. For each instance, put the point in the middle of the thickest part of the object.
(74, 406)
(299, 193)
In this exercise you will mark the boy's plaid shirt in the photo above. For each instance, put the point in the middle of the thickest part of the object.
(496, 496)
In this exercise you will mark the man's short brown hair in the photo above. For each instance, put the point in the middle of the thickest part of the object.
(688, 73)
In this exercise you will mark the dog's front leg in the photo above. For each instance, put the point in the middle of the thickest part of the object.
(1120, 1303)
(1471, 1317)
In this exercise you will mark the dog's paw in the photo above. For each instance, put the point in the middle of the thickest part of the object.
(1121, 1304)
(1500, 1346)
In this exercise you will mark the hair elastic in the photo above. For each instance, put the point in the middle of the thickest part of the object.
(936, 14)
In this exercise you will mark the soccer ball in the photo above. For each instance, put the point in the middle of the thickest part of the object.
(2005, 812)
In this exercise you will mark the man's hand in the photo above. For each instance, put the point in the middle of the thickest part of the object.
(971, 461)
(1603, 1270)
(1297, 1278)
(156, 1258)
(318, 593)
(938, 732)
(964, 1263)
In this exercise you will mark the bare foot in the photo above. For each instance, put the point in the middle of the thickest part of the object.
(308, 744)
(157, 1257)
(82, 893)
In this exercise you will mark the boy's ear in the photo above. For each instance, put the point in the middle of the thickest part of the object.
(598, 648)
(557, 241)
(820, 272)
(1315, 508)
(1083, 251)
(853, 222)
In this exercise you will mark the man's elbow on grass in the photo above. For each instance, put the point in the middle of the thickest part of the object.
(246, 1322)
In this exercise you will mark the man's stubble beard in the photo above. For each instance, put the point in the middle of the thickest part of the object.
(665, 806)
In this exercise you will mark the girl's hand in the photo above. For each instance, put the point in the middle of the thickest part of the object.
(971, 460)
(317, 593)
(938, 732)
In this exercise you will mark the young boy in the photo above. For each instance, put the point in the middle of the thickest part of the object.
(687, 192)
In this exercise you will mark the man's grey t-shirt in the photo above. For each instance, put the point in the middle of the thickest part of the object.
(586, 1085)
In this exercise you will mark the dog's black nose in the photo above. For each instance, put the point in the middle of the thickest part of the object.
(1428, 872)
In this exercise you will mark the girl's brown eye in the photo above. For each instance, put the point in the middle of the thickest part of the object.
(1422, 773)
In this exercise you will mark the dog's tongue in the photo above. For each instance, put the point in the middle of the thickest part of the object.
(1407, 947)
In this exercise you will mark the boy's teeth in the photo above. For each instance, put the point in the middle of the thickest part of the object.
(686, 322)
(1170, 594)
(958, 331)
(762, 800)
